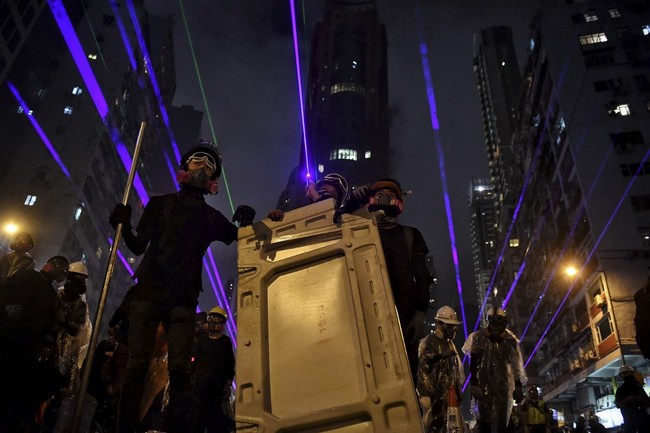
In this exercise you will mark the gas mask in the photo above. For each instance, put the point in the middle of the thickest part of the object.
(75, 286)
(198, 179)
(447, 330)
(382, 201)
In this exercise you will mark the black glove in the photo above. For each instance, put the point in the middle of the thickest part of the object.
(244, 215)
(361, 195)
(120, 215)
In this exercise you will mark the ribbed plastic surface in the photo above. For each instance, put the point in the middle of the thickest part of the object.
(319, 344)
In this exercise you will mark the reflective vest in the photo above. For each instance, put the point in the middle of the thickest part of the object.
(535, 412)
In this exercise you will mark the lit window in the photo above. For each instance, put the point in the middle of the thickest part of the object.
(531, 44)
(614, 13)
(349, 154)
(67, 110)
(647, 105)
(30, 200)
(321, 168)
(646, 30)
(620, 110)
(92, 56)
(590, 16)
(513, 243)
(20, 110)
(368, 154)
(76, 90)
(593, 38)
(77, 212)
(30, 112)
(347, 87)
(354, 64)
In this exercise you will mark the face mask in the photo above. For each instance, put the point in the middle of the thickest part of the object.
(75, 286)
(385, 221)
(448, 331)
(215, 327)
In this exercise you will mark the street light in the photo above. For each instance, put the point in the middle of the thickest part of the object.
(10, 228)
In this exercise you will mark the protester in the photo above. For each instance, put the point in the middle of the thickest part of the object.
(173, 233)
(497, 371)
(28, 329)
(214, 368)
(332, 185)
(595, 426)
(535, 415)
(405, 251)
(633, 402)
(440, 369)
(18, 259)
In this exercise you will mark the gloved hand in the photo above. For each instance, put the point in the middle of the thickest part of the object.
(120, 215)
(275, 215)
(418, 326)
(244, 215)
(361, 195)
(475, 392)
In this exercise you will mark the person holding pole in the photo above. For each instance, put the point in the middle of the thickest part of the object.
(173, 233)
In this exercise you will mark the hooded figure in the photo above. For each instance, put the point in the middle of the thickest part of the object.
(497, 370)
(439, 369)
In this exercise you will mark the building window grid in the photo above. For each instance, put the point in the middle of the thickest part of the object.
(348, 154)
(614, 13)
(593, 38)
(591, 16)
(630, 169)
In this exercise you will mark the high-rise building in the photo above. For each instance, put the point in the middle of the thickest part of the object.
(67, 135)
(498, 82)
(583, 128)
(483, 231)
(346, 107)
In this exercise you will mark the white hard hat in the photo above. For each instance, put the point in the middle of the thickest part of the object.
(78, 268)
(447, 315)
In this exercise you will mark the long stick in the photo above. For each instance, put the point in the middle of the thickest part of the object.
(104, 294)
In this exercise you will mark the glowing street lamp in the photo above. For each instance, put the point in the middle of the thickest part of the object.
(10, 228)
(571, 271)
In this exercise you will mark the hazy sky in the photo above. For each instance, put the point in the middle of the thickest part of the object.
(244, 50)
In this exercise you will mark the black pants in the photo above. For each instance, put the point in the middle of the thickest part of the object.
(178, 322)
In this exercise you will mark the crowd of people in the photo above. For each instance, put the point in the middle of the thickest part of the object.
(165, 367)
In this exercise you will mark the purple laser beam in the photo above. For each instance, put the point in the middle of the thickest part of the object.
(302, 108)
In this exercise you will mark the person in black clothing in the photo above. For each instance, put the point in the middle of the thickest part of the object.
(173, 233)
(18, 259)
(214, 369)
(633, 402)
(405, 251)
(28, 328)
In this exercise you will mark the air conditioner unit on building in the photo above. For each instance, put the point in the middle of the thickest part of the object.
(577, 364)
(599, 300)
(575, 328)
(592, 354)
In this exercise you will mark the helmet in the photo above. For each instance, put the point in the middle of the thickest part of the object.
(335, 180)
(56, 267)
(388, 204)
(447, 315)
(204, 150)
(217, 313)
(78, 268)
(389, 183)
(22, 241)
(625, 369)
(498, 315)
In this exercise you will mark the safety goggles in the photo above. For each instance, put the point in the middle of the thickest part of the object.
(497, 319)
(217, 318)
(203, 157)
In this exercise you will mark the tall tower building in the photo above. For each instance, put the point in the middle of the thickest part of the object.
(347, 98)
(483, 230)
(582, 139)
(498, 78)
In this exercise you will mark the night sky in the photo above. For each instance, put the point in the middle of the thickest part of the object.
(244, 50)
